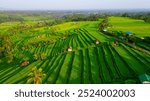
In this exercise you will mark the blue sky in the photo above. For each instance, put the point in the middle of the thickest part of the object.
(73, 4)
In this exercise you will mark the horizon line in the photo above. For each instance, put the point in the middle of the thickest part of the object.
(73, 9)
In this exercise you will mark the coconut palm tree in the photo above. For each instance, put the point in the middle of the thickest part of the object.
(36, 76)
(6, 49)
(36, 56)
(43, 56)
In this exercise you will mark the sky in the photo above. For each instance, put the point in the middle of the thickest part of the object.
(73, 4)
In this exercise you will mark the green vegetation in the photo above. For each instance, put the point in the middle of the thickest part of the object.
(72, 51)
(138, 27)
(6, 49)
(35, 76)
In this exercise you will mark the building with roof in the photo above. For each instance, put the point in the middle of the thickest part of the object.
(97, 42)
(128, 33)
(144, 78)
(69, 49)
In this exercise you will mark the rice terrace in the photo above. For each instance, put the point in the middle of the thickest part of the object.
(52, 47)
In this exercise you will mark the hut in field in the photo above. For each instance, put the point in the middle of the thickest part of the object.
(144, 78)
(25, 63)
(109, 27)
(115, 43)
(69, 49)
(142, 38)
(105, 30)
(128, 33)
(97, 42)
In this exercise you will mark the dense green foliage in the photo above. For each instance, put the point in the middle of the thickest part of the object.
(6, 49)
(81, 17)
(140, 16)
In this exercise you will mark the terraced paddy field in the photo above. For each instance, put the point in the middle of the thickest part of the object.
(87, 62)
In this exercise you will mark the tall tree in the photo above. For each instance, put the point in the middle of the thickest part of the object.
(6, 49)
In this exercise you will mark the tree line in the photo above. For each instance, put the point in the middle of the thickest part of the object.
(141, 16)
(81, 17)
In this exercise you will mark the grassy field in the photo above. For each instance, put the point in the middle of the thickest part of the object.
(86, 63)
(138, 27)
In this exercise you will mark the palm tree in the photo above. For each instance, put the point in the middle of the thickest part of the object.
(36, 76)
(35, 56)
(6, 49)
(43, 56)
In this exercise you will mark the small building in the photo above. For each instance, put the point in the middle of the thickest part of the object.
(115, 43)
(142, 38)
(144, 78)
(97, 42)
(128, 33)
(105, 30)
(69, 49)
(25, 63)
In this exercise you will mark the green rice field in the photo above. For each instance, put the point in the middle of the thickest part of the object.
(46, 48)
